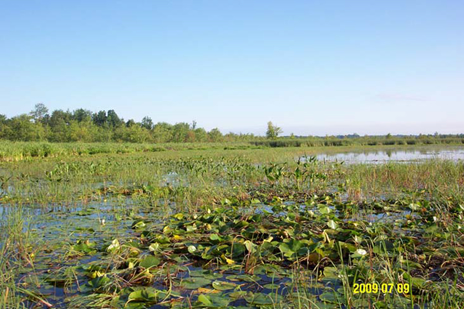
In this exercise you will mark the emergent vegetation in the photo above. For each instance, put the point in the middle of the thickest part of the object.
(256, 228)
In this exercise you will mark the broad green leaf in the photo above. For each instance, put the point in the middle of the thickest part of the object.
(150, 261)
(222, 286)
(194, 283)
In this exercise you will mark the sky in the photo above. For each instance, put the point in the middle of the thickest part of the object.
(310, 67)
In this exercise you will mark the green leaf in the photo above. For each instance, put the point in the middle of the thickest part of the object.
(213, 301)
(150, 261)
(99, 282)
(260, 299)
(154, 247)
(138, 224)
(205, 300)
(207, 274)
(324, 210)
(332, 224)
(331, 297)
(290, 248)
(223, 286)
(250, 246)
(114, 246)
(194, 283)
(215, 238)
(145, 295)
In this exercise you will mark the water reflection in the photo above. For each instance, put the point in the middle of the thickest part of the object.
(395, 155)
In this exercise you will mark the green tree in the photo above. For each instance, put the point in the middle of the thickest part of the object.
(133, 133)
(273, 131)
(147, 123)
(5, 130)
(113, 119)
(59, 125)
(200, 135)
(23, 129)
(215, 135)
(180, 132)
(82, 115)
(81, 131)
(39, 112)
(99, 118)
(162, 132)
(130, 123)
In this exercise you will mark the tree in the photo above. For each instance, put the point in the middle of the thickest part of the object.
(147, 123)
(23, 129)
(58, 117)
(130, 123)
(82, 115)
(80, 131)
(4, 127)
(272, 131)
(59, 124)
(180, 131)
(162, 132)
(113, 119)
(190, 137)
(39, 112)
(200, 135)
(215, 135)
(99, 118)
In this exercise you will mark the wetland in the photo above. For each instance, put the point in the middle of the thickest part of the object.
(250, 228)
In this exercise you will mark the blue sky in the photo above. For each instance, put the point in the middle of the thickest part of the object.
(311, 67)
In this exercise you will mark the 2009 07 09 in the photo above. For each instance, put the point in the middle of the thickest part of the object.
(374, 288)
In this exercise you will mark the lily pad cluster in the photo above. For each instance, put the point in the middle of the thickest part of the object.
(227, 255)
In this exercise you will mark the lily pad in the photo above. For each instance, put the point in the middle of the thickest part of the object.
(213, 300)
(223, 286)
(194, 283)
(150, 261)
(260, 299)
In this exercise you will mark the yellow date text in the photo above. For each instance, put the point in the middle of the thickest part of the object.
(384, 288)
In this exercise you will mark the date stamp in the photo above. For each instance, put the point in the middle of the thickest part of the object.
(385, 288)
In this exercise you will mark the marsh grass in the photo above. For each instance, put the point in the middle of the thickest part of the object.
(18, 246)
(151, 187)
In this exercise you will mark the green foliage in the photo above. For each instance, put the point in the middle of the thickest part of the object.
(106, 126)
(272, 131)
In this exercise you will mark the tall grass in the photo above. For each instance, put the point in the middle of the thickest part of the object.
(17, 247)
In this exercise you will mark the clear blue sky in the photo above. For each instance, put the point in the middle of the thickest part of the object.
(312, 67)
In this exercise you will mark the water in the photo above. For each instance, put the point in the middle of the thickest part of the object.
(395, 155)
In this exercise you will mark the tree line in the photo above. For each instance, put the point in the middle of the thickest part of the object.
(83, 125)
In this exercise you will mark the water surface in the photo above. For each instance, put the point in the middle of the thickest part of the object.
(395, 155)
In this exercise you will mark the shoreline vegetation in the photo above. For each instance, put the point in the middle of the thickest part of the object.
(82, 132)
(16, 151)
